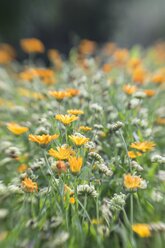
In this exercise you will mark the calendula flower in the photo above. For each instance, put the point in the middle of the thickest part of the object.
(75, 112)
(133, 154)
(29, 185)
(132, 182)
(72, 92)
(66, 119)
(22, 168)
(59, 95)
(78, 140)
(61, 166)
(32, 45)
(62, 153)
(143, 230)
(143, 146)
(72, 200)
(160, 121)
(16, 128)
(149, 92)
(75, 164)
(42, 139)
(129, 89)
(87, 46)
(85, 128)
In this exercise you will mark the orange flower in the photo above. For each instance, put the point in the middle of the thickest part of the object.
(42, 139)
(59, 95)
(75, 112)
(87, 46)
(129, 89)
(150, 92)
(16, 128)
(29, 185)
(143, 146)
(32, 45)
(75, 164)
(143, 230)
(133, 154)
(66, 119)
(121, 56)
(78, 140)
(107, 68)
(85, 128)
(132, 182)
(139, 75)
(62, 153)
(55, 57)
(72, 200)
(22, 168)
(160, 121)
(73, 92)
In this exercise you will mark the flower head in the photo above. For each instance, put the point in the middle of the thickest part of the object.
(132, 182)
(59, 95)
(62, 153)
(129, 89)
(85, 128)
(32, 45)
(66, 119)
(143, 146)
(22, 168)
(42, 139)
(16, 128)
(75, 112)
(133, 154)
(75, 164)
(143, 230)
(79, 140)
(29, 185)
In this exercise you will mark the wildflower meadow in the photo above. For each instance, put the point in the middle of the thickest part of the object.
(82, 146)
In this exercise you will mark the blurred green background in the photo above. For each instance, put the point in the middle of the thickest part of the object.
(61, 23)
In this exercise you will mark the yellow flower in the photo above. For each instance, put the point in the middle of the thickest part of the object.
(132, 182)
(85, 128)
(29, 185)
(133, 154)
(61, 153)
(143, 230)
(78, 140)
(22, 168)
(129, 89)
(66, 119)
(42, 139)
(143, 146)
(59, 95)
(73, 92)
(75, 164)
(72, 200)
(16, 128)
(75, 112)
(32, 45)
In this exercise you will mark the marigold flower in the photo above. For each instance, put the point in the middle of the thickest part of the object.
(75, 164)
(75, 112)
(78, 140)
(85, 128)
(87, 46)
(61, 166)
(73, 92)
(160, 121)
(139, 75)
(107, 68)
(66, 119)
(29, 185)
(132, 182)
(149, 92)
(62, 153)
(16, 128)
(129, 89)
(32, 45)
(59, 95)
(22, 168)
(143, 146)
(133, 154)
(72, 200)
(143, 230)
(42, 139)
